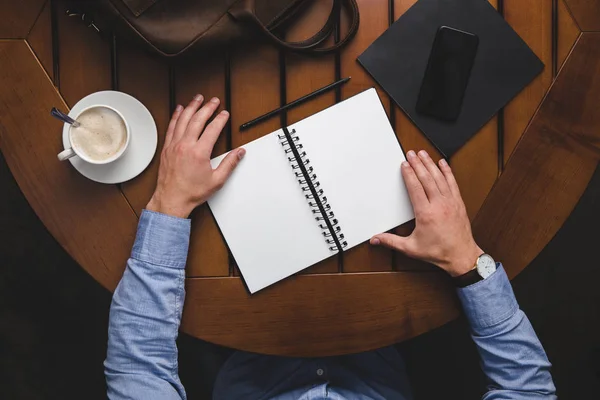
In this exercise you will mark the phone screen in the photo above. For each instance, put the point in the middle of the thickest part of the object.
(447, 74)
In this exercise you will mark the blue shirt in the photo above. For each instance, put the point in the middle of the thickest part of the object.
(145, 313)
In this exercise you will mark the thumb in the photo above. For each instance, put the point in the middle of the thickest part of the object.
(228, 164)
(394, 242)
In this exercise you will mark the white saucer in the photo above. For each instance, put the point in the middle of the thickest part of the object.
(142, 145)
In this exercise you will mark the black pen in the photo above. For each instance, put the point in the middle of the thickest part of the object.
(294, 103)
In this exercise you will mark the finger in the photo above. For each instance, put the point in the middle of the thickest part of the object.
(186, 116)
(172, 123)
(228, 164)
(424, 176)
(433, 169)
(198, 121)
(395, 242)
(417, 195)
(447, 171)
(213, 130)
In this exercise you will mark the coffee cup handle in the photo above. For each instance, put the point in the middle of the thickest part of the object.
(66, 154)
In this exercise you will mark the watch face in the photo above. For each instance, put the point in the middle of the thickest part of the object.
(486, 266)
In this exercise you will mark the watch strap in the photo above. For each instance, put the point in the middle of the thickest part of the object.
(467, 279)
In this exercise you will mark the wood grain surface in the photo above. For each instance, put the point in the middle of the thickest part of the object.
(84, 58)
(475, 166)
(551, 166)
(319, 315)
(532, 20)
(586, 13)
(568, 32)
(255, 90)
(18, 17)
(40, 39)
(93, 222)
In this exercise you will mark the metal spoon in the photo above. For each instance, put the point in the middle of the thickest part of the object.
(56, 113)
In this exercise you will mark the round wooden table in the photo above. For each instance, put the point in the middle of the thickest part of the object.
(366, 298)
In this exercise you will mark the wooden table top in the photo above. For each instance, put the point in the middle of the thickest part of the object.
(520, 176)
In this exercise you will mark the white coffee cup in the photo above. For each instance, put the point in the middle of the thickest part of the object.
(73, 150)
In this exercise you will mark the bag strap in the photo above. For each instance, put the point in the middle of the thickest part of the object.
(325, 32)
(137, 7)
(244, 11)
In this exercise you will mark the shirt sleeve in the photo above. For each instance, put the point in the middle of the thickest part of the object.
(146, 311)
(512, 356)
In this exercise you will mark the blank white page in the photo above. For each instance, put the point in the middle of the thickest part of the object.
(265, 218)
(356, 156)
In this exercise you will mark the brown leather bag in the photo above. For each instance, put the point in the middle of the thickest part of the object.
(173, 27)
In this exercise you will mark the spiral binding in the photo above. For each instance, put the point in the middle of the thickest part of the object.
(313, 192)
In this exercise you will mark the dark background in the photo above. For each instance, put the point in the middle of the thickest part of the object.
(53, 317)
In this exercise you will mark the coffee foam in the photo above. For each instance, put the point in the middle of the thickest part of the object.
(101, 135)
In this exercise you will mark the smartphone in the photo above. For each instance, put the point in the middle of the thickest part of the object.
(447, 74)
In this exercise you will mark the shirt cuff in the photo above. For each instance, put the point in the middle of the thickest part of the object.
(490, 301)
(162, 240)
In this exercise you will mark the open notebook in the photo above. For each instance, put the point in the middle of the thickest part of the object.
(308, 191)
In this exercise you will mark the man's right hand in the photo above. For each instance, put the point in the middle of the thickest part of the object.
(186, 178)
(442, 235)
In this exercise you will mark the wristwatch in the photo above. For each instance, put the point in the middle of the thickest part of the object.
(484, 267)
